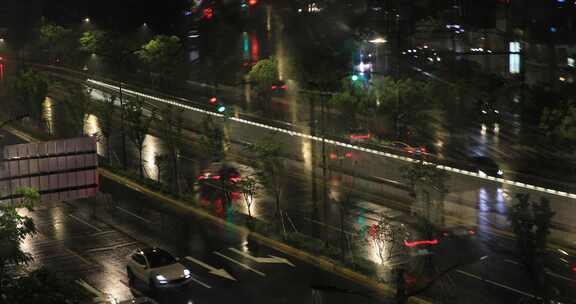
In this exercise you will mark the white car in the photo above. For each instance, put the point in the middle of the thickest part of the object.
(156, 267)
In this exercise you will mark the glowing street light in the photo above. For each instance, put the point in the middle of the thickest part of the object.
(378, 40)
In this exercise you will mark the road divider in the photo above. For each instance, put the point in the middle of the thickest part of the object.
(331, 142)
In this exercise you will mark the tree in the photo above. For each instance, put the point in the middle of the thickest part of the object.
(170, 128)
(77, 106)
(531, 222)
(57, 40)
(352, 101)
(14, 229)
(93, 42)
(45, 286)
(385, 236)
(270, 166)
(29, 89)
(212, 141)
(248, 187)
(428, 187)
(106, 112)
(139, 123)
(412, 104)
(164, 58)
(264, 74)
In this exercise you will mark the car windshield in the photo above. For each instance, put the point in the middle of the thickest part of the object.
(159, 258)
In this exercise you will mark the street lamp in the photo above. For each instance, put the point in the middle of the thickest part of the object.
(378, 40)
(87, 20)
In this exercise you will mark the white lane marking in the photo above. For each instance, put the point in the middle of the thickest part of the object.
(200, 282)
(215, 271)
(239, 264)
(337, 143)
(495, 283)
(114, 247)
(85, 222)
(560, 276)
(134, 215)
(271, 260)
(91, 289)
(547, 272)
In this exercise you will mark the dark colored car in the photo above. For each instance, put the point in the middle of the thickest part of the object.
(486, 166)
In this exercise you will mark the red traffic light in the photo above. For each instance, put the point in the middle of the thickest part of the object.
(208, 13)
(213, 100)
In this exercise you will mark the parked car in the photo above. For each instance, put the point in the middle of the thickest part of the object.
(156, 267)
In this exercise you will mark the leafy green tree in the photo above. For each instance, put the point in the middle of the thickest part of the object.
(531, 222)
(212, 140)
(14, 229)
(94, 42)
(57, 41)
(410, 104)
(170, 128)
(270, 165)
(45, 286)
(29, 89)
(353, 101)
(164, 58)
(77, 106)
(428, 187)
(139, 122)
(106, 110)
(264, 74)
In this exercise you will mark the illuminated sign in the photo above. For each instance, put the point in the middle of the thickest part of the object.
(514, 60)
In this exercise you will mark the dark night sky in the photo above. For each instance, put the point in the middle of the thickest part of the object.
(124, 14)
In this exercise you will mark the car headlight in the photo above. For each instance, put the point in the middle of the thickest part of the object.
(186, 273)
(161, 279)
(500, 172)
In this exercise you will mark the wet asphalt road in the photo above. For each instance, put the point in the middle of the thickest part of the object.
(91, 238)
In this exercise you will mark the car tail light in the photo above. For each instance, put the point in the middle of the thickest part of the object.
(471, 231)
(333, 156)
(201, 177)
(215, 176)
(574, 268)
(348, 154)
(423, 150)
(424, 242)
(445, 233)
(274, 87)
(284, 87)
